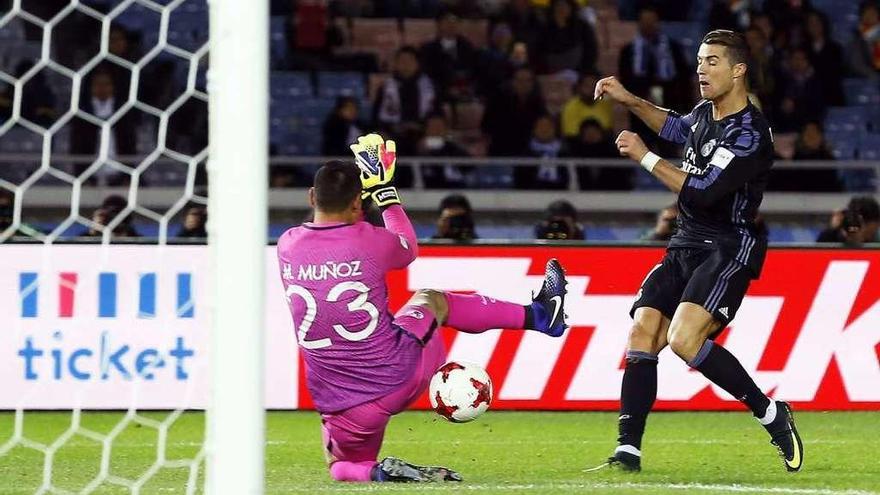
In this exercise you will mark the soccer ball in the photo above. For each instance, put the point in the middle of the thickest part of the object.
(460, 391)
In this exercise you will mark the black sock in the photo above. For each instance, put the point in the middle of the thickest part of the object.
(529, 322)
(637, 395)
(721, 367)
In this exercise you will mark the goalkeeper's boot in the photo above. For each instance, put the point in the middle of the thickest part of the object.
(547, 311)
(394, 469)
(621, 461)
(784, 436)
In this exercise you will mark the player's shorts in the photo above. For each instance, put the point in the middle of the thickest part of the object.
(355, 434)
(706, 277)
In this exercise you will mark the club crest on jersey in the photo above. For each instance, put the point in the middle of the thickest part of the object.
(707, 148)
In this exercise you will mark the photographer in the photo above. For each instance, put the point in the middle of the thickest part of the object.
(855, 225)
(456, 220)
(560, 223)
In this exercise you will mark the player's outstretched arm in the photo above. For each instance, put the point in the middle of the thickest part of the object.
(377, 161)
(651, 114)
(630, 145)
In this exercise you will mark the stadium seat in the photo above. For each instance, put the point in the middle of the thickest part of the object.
(621, 33)
(188, 30)
(334, 84)
(861, 91)
(12, 30)
(476, 31)
(846, 119)
(416, 32)
(381, 37)
(842, 145)
(278, 40)
(290, 83)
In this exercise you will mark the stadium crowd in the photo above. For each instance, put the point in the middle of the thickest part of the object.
(467, 78)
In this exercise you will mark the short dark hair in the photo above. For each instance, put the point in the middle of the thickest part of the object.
(737, 49)
(866, 206)
(455, 201)
(336, 185)
(561, 208)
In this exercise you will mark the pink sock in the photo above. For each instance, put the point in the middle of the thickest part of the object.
(474, 313)
(351, 471)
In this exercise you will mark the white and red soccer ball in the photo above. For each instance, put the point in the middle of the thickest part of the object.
(460, 391)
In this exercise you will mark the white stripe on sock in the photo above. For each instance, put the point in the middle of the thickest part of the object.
(770, 415)
(629, 449)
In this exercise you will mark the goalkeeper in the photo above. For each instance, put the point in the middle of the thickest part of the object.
(362, 364)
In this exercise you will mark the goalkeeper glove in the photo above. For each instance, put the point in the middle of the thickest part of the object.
(376, 159)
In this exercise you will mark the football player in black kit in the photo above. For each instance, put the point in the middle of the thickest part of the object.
(694, 292)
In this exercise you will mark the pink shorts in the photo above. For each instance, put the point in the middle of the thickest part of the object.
(355, 434)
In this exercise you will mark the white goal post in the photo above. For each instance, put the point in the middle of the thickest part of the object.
(238, 86)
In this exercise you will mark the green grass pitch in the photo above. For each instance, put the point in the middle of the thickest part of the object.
(502, 452)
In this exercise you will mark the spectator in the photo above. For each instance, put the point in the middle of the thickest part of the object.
(404, 101)
(37, 100)
(566, 43)
(594, 142)
(809, 146)
(799, 94)
(194, 221)
(560, 223)
(449, 60)
(7, 211)
(511, 113)
(667, 224)
(653, 67)
(312, 37)
(734, 15)
(436, 142)
(855, 225)
(762, 68)
(546, 144)
(341, 128)
(120, 44)
(456, 220)
(521, 18)
(826, 56)
(494, 61)
(101, 102)
(111, 208)
(668, 10)
(582, 106)
(863, 53)
(789, 18)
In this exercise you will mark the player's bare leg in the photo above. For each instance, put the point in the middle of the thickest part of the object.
(688, 337)
(647, 338)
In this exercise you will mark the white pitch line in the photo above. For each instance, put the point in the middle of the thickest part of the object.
(382, 487)
(455, 443)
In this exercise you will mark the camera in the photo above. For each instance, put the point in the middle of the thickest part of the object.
(852, 221)
(558, 228)
(460, 227)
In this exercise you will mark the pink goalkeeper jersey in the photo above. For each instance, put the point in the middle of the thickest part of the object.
(334, 280)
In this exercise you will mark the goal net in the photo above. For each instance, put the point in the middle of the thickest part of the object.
(132, 363)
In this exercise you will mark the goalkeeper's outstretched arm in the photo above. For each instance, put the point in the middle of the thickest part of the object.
(377, 161)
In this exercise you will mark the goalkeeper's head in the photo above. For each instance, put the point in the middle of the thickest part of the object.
(336, 193)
